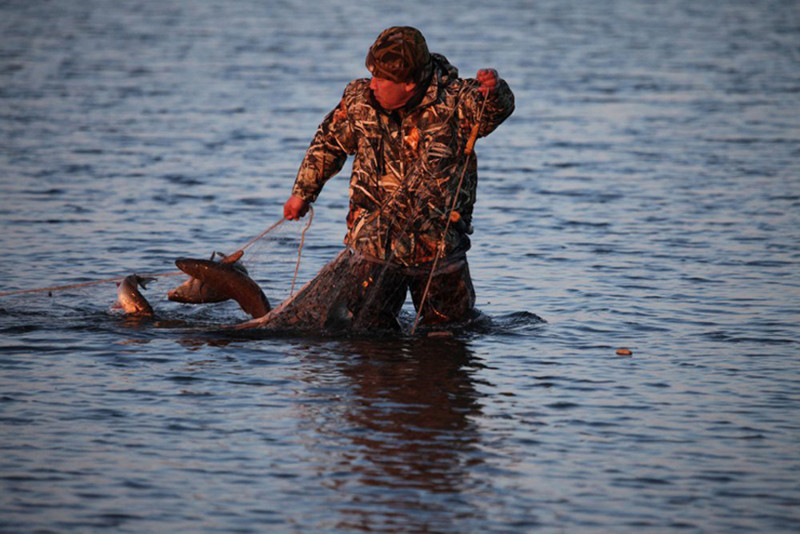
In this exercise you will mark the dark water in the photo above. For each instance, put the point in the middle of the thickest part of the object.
(645, 195)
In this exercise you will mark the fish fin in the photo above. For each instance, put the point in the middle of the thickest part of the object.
(144, 280)
(233, 258)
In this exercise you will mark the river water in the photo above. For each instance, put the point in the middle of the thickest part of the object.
(645, 194)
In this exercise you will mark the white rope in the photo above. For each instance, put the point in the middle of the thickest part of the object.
(300, 248)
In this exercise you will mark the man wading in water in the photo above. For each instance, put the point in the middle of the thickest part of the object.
(408, 127)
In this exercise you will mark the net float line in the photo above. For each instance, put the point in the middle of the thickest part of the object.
(155, 275)
(84, 284)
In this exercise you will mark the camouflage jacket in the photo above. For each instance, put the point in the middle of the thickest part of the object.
(407, 164)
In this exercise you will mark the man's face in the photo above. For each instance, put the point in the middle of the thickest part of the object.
(391, 95)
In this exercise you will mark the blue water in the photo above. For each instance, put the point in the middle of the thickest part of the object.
(645, 194)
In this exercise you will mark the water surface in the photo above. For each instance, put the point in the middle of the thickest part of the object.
(645, 194)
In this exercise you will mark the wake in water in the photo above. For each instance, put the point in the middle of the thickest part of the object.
(348, 283)
(317, 310)
(323, 306)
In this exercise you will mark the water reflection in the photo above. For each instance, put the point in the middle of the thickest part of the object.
(405, 435)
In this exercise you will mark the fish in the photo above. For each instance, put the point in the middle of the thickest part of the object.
(196, 291)
(130, 299)
(229, 280)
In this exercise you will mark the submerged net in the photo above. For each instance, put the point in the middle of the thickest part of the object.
(354, 293)
(326, 302)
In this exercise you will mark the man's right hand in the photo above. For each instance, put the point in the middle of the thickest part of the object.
(295, 208)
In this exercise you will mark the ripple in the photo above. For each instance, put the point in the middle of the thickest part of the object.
(642, 195)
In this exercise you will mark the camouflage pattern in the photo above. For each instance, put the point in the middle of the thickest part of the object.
(400, 54)
(407, 164)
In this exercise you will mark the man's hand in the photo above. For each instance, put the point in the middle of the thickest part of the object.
(295, 208)
(488, 80)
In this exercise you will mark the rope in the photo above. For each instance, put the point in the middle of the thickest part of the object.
(157, 275)
(407, 185)
(259, 236)
(300, 248)
(468, 148)
(83, 284)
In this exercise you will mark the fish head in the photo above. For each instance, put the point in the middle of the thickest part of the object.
(194, 291)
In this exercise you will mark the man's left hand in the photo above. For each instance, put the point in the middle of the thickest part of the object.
(295, 208)
(488, 80)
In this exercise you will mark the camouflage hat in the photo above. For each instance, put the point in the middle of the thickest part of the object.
(399, 54)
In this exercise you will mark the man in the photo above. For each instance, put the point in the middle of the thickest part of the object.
(408, 127)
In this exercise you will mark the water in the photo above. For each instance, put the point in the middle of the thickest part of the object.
(645, 194)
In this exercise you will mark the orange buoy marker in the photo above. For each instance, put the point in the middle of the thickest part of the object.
(624, 352)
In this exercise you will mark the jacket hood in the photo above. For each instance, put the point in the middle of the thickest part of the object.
(444, 73)
(447, 70)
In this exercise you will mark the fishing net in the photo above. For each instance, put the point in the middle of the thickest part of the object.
(355, 293)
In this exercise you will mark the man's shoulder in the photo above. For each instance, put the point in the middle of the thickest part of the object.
(357, 100)
(357, 89)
